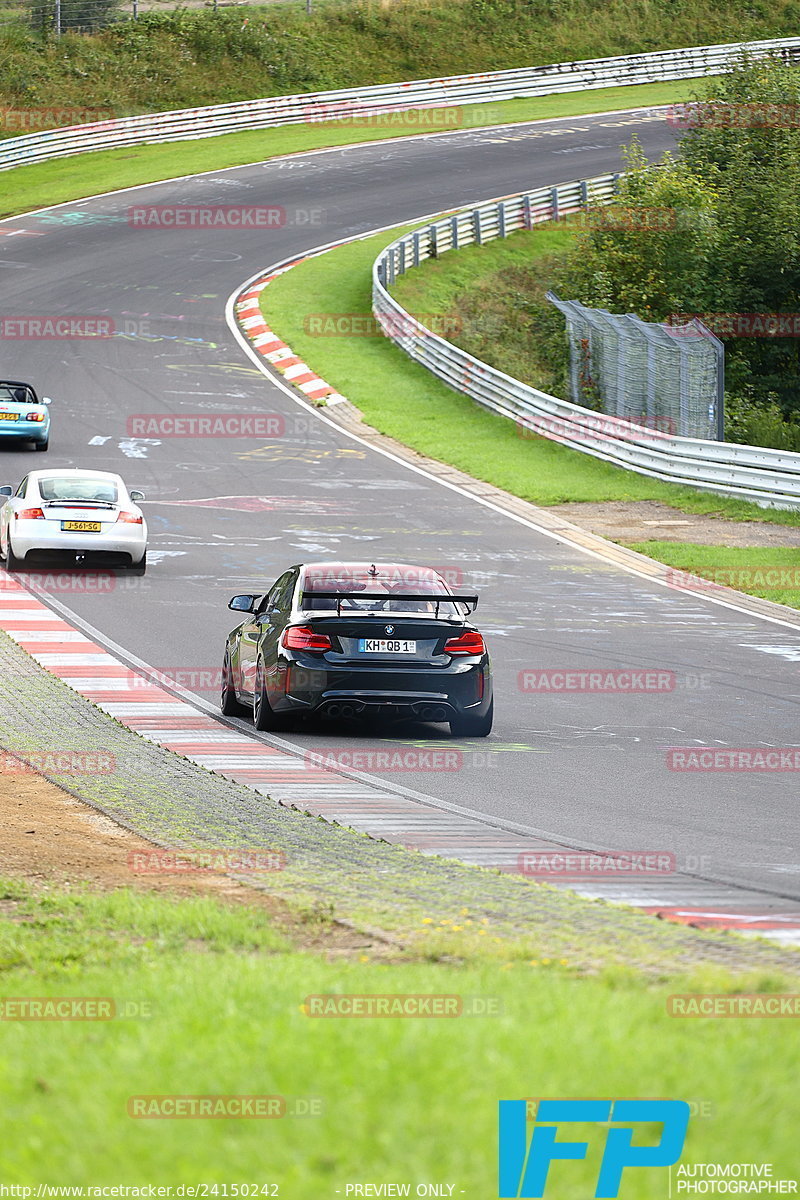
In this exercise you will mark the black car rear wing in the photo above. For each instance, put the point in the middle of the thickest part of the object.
(391, 596)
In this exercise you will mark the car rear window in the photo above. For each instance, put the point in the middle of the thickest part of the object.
(66, 487)
(390, 583)
(16, 395)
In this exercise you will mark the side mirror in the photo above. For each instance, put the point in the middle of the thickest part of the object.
(6, 491)
(243, 603)
(136, 495)
(46, 400)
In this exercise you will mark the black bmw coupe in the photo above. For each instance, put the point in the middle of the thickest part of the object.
(351, 640)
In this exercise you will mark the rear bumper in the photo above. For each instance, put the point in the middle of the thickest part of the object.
(427, 695)
(25, 431)
(28, 538)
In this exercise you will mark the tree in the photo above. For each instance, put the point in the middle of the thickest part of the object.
(734, 244)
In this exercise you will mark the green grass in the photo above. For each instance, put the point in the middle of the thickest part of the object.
(402, 399)
(403, 1100)
(184, 59)
(752, 569)
(25, 188)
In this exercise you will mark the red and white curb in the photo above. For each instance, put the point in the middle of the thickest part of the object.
(272, 349)
(297, 781)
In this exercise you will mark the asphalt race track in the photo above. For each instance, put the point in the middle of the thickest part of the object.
(228, 515)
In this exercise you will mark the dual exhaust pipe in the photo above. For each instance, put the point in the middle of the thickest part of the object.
(345, 711)
(348, 712)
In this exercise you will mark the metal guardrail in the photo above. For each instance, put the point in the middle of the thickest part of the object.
(768, 477)
(195, 123)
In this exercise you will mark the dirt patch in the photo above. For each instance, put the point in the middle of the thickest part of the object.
(647, 520)
(51, 838)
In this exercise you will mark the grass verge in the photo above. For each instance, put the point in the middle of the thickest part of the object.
(27, 188)
(770, 572)
(402, 399)
(217, 998)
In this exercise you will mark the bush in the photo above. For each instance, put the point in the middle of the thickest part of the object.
(759, 424)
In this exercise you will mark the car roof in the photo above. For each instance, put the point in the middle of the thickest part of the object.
(76, 471)
(381, 568)
(16, 383)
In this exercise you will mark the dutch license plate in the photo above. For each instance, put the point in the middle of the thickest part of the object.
(82, 526)
(9, 416)
(382, 646)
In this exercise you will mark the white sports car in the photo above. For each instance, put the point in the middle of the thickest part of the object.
(87, 517)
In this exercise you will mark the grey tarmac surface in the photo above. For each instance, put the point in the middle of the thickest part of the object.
(590, 769)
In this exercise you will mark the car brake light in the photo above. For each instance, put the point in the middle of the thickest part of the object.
(30, 514)
(35, 417)
(303, 637)
(129, 518)
(470, 642)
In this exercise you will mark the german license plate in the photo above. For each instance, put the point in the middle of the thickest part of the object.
(9, 416)
(382, 646)
(82, 526)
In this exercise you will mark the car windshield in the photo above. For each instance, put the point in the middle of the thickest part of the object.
(16, 394)
(389, 584)
(67, 487)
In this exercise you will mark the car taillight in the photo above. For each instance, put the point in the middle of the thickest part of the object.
(303, 637)
(35, 417)
(129, 518)
(30, 514)
(470, 642)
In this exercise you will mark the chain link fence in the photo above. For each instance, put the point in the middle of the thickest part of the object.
(665, 377)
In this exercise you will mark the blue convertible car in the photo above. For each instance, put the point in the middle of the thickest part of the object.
(23, 415)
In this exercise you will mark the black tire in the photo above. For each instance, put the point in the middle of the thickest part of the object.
(13, 563)
(140, 567)
(42, 445)
(470, 726)
(264, 716)
(229, 706)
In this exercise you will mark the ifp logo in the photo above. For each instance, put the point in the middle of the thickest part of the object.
(524, 1167)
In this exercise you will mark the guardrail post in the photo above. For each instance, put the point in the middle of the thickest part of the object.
(390, 265)
(476, 226)
(434, 242)
(416, 249)
(526, 212)
(501, 218)
(584, 193)
(554, 204)
(454, 231)
(615, 183)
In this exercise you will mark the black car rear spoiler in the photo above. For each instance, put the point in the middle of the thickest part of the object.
(428, 596)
